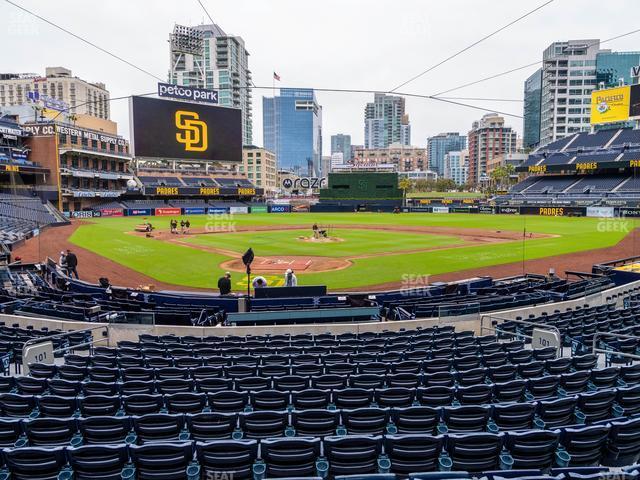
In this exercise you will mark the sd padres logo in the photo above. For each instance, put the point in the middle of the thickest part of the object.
(193, 131)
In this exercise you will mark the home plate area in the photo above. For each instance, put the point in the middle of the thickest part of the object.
(280, 264)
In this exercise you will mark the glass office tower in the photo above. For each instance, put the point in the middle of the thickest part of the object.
(292, 129)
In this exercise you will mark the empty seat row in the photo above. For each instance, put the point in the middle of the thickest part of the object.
(370, 352)
(436, 414)
(495, 367)
(331, 456)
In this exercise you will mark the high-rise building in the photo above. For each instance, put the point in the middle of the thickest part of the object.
(260, 167)
(571, 70)
(532, 104)
(58, 91)
(292, 129)
(568, 77)
(403, 158)
(385, 122)
(456, 166)
(488, 138)
(341, 143)
(611, 67)
(204, 56)
(439, 145)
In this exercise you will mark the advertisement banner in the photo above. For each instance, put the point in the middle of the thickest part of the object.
(194, 210)
(203, 191)
(182, 92)
(509, 210)
(600, 212)
(610, 105)
(259, 209)
(217, 211)
(162, 212)
(181, 130)
(112, 212)
(239, 210)
(629, 212)
(440, 209)
(487, 209)
(634, 102)
(280, 208)
(554, 211)
(138, 212)
(84, 214)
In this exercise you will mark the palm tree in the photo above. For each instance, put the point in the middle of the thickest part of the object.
(404, 184)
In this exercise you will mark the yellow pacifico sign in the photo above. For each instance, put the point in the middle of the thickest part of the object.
(12, 168)
(192, 132)
(166, 190)
(611, 105)
(586, 166)
(209, 191)
(634, 163)
(537, 168)
(551, 211)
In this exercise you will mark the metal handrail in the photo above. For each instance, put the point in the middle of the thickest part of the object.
(47, 338)
(596, 350)
(543, 326)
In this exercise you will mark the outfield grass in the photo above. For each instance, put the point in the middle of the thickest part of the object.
(354, 242)
(182, 265)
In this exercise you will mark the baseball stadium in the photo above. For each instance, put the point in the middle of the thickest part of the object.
(164, 316)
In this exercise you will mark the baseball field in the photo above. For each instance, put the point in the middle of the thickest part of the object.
(360, 249)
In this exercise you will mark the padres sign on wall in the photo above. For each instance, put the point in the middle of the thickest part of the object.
(610, 105)
(186, 131)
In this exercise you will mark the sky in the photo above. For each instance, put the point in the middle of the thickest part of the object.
(335, 44)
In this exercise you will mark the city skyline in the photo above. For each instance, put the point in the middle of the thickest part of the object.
(271, 47)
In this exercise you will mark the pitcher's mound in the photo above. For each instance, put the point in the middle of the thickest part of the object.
(278, 264)
(321, 239)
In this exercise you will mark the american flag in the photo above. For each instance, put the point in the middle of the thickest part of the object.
(276, 76)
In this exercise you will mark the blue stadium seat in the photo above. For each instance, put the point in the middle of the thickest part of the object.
(366, 421)
(557, 413)
(189, 402)
(211, 425)
(416, 419)
(234, 458)
(106, 430)
(475, 452)
(99, 405)
(311, 398)
(514, 416)
(354, 455)
(352, 398)
(35, 463)
(228, 401)
(466, 418)
(585, 445)
(533, 449)
(263, 424)
(291, 457)
(315, 422)
(413, 453)
(160, 427)
(164, 460)
(97, 462)
(142, 404)
(623, 446)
